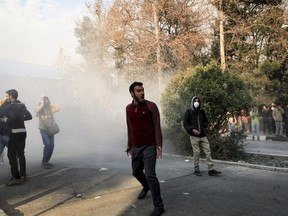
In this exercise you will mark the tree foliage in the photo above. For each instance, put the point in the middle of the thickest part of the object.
(91, 34)
(122, 37)
(253, 36)
(126, 33)
(277, 73)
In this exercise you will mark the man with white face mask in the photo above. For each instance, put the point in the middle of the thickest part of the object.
(195, 123)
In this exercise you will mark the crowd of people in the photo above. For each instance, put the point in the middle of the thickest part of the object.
(267, 120)
(13, 114)
(144, 135)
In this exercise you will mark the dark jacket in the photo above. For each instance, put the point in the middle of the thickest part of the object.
(195, 118)
(4, 127)
(17, 114)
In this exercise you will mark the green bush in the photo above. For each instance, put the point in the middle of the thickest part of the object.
(220, 94)
(228, 148)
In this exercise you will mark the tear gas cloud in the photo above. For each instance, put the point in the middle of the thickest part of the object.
(91, 117)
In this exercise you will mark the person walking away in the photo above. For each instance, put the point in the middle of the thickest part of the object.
(46, 110)
(195, 122)
(144, 144)
(4, 130)
(278, 118)
(17, 114)
(255, 120)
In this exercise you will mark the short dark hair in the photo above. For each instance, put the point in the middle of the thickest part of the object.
(132, 86)
(13, 93)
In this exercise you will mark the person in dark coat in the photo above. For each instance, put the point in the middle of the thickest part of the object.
(17, 114)
(195, 122)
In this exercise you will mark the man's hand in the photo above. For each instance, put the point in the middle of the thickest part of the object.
(196, 132)
(3, 119)
(159, 152)
(128, 151)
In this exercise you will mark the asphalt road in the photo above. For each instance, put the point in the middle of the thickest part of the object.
(101, 184)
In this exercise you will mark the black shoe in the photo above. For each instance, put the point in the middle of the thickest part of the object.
(157, 211)
(213, 172)
(142, 194)
(23, 178)
(197, 173)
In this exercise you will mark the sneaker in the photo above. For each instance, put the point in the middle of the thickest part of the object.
(213, 172)
(197, 173)
(142, 194)
(284, 26)
(46, 165)
(13, 181)
(23, 178)
(157, 211)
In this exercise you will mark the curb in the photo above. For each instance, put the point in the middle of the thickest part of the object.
(253, 166)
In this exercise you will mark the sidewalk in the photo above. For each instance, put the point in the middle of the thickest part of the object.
(268, 145)
(100, 187)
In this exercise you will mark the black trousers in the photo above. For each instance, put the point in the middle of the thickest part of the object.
(144, 158)
(16, 153)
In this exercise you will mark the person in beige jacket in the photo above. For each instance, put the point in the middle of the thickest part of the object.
(278, 118)
(46, 110)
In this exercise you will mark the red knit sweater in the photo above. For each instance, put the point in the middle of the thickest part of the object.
(143, 125)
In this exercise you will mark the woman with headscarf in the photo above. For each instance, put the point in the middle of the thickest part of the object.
(45, 110)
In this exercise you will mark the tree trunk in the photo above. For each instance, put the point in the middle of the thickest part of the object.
(222, 42)
(158, 54)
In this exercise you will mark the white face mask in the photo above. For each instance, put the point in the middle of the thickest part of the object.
(196, 104)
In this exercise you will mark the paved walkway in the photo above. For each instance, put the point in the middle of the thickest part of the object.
(267, 146)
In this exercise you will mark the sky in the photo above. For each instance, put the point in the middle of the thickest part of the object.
(33, 31)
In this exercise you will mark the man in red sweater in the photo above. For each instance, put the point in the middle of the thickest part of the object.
(144, 143)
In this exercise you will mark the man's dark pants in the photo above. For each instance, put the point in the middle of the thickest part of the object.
(145, 158)
(16, 148)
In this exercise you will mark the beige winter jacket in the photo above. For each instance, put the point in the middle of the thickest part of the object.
(45, 112)
(278, 114)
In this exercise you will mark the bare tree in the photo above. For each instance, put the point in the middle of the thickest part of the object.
(179, 36)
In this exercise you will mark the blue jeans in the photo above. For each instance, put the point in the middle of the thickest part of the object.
(4, 140)
(48, 142)
(255, 129)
